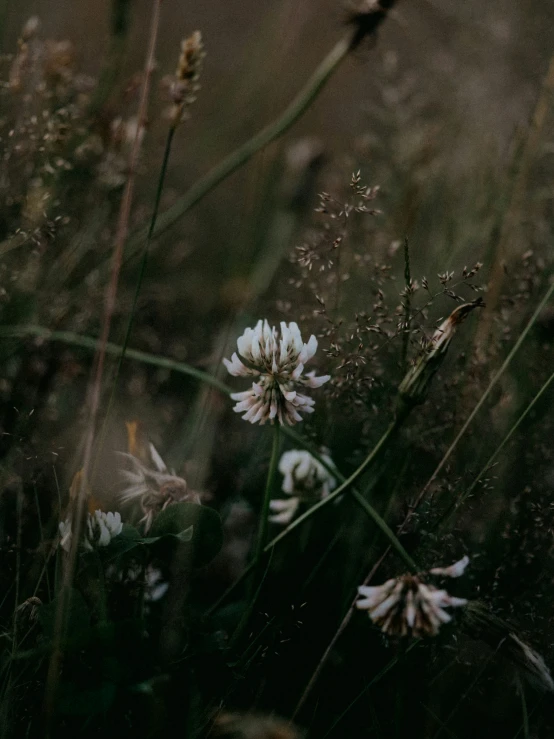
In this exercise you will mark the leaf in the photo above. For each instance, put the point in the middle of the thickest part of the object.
(206, 534)
(183, 536)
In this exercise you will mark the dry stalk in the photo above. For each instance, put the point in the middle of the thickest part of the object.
(96, 384)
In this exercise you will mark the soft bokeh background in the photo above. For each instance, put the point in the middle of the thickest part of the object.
(450, 112)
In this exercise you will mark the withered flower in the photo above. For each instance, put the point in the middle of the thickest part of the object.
(415, 385)
(153, 486)
(406, 605)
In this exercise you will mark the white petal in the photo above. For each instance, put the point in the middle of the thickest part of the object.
(455, 570)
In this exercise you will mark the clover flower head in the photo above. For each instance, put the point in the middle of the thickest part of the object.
(406, 605)
(278, 364)
(153, 486)
(100, 528)
(304, 479)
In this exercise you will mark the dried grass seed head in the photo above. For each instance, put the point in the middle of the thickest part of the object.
(184, 86)
(153, 485)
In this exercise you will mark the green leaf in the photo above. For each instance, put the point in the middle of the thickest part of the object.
(206, 536)
(183, 536)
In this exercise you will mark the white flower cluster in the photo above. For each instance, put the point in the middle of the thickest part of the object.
(405, 605)
(279, 365)
(100, 529)
(304, 479)
(153, 486)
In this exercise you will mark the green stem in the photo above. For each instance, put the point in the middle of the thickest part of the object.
(387, 531)
(259, 577)
(260, 140)
(263, 525)
(407, 306)
(495, 454)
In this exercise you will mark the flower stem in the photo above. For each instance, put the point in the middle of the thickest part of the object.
(259, 571)
(263, 525)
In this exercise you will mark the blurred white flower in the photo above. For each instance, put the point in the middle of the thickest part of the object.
(284, 509)
(279, 365)
(304, 479)
(99, 529)
(153, 486)
(405, 605)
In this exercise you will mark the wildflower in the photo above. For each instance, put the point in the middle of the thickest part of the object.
(279, 364)
(406, 605)
(153, 485)
(100, 529)
(305, 479)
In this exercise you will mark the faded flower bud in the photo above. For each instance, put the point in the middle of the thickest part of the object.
(415, 385)
(366, 16)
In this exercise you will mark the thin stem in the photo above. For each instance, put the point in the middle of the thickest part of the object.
(91, 343)
(263, 525)
(387, 531)
(407, 305)
(373, 680)
(138, 286)
(240, 156)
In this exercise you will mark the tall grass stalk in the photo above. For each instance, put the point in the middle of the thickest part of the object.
(95, 389)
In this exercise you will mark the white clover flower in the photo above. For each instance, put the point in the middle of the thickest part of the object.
(279, 366)
(154, 486)
(405, 605)
(304, 479)
(100, 528)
